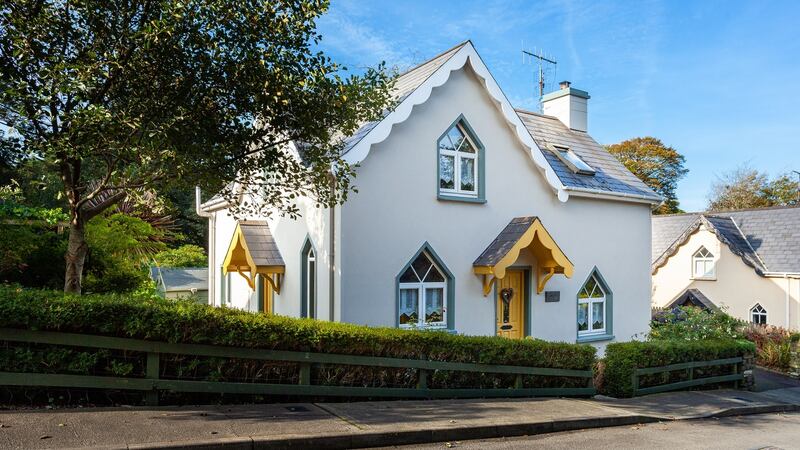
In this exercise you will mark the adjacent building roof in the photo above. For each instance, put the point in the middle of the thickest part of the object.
(692, 297)
(767, 239)
(610, 175)
(181, 279)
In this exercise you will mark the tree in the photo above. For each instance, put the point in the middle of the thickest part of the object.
(115, 95)
(746, 187)
(657, 165)
(184, 256)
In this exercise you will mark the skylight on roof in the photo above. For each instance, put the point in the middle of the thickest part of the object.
(573, 161)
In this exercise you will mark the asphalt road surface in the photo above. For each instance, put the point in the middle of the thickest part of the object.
(764, 431)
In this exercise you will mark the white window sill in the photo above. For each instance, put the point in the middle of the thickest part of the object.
(594, 337)
(714, 278)
(460, 198)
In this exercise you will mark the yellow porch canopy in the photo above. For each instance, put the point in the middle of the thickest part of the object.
(253, 251)
(519, 234)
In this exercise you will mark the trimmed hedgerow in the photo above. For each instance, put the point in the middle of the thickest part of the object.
(621, 359)
(187, 322)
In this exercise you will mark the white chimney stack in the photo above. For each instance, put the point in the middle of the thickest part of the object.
(569, 105)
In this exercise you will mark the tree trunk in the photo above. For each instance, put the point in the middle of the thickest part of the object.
(77, 248)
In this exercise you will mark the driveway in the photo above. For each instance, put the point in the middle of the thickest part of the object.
(767, 380)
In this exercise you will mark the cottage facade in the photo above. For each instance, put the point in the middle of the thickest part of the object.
(471, 217)
(746, 263)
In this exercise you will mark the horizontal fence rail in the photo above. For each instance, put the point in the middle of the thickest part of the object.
(735, 376)
(152, 383)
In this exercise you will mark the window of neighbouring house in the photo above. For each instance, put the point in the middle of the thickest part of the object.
(703, 264)
(460, 161)
(309, 287)
(422, 294)
(758, 315)
(594, 304)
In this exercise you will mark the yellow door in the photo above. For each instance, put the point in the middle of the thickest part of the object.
(511, 305)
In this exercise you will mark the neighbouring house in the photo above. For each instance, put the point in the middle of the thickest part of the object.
(471, 216)
(181, 282)
(745, 262)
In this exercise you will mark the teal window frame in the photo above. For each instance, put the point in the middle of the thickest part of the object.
(608, 333)
(308, 305)
(450, 281)
(480, 196)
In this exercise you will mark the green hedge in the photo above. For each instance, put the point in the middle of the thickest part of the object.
(621, 359)
(188, 322)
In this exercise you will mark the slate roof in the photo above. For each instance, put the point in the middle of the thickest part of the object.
(504, 241)
(183, 279)
(260, 243)
(768, 239)
(404, 85)
(610, 175)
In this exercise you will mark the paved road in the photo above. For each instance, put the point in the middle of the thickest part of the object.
(764, 431)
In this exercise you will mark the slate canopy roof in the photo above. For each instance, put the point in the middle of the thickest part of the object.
(767, 239)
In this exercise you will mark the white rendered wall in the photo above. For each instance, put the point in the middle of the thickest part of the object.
(397, 210)
(290, 236)
(737, 287)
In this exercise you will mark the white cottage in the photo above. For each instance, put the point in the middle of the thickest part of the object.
(471, 216)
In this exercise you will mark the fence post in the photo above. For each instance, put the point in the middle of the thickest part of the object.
(634, 382)
(518, 381)
(305, 373)
(422, 380)
(736, 372)
(152, 371)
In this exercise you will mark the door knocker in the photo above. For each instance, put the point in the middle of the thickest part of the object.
(506, 294)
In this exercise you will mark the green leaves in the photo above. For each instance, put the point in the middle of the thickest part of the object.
(116, 95)
(657, 165)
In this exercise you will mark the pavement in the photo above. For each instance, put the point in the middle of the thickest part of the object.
(365, 424)
(761, 431)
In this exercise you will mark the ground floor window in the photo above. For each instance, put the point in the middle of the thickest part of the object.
(309, 297)
(594, 307)
(422, 294)
(758, 315)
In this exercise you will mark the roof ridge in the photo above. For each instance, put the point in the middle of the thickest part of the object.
(707, 213)
(532, 113)
(463, 43)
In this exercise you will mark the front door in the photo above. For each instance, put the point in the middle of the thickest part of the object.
(511, 305)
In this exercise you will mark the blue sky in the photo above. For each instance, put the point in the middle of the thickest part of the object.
(717, 80)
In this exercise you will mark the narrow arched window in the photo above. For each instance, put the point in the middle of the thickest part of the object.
(423, 294)
(460, 163)
(594, 308)
(702, 264)
(758, 315)
(309, 288)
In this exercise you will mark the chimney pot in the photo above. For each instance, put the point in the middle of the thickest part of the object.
(564, 84)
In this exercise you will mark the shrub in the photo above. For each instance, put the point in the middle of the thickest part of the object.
(187, 322)
(621, 359)
(184, 256)
(690, 323)
(774, 345)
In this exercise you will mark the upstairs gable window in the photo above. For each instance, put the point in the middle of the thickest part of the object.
(703, 264)
(460, 159)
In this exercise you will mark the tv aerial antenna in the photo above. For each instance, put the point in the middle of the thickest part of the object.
(546, 64)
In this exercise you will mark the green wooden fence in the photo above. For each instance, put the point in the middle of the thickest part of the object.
(735, 376)
(151, 384)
